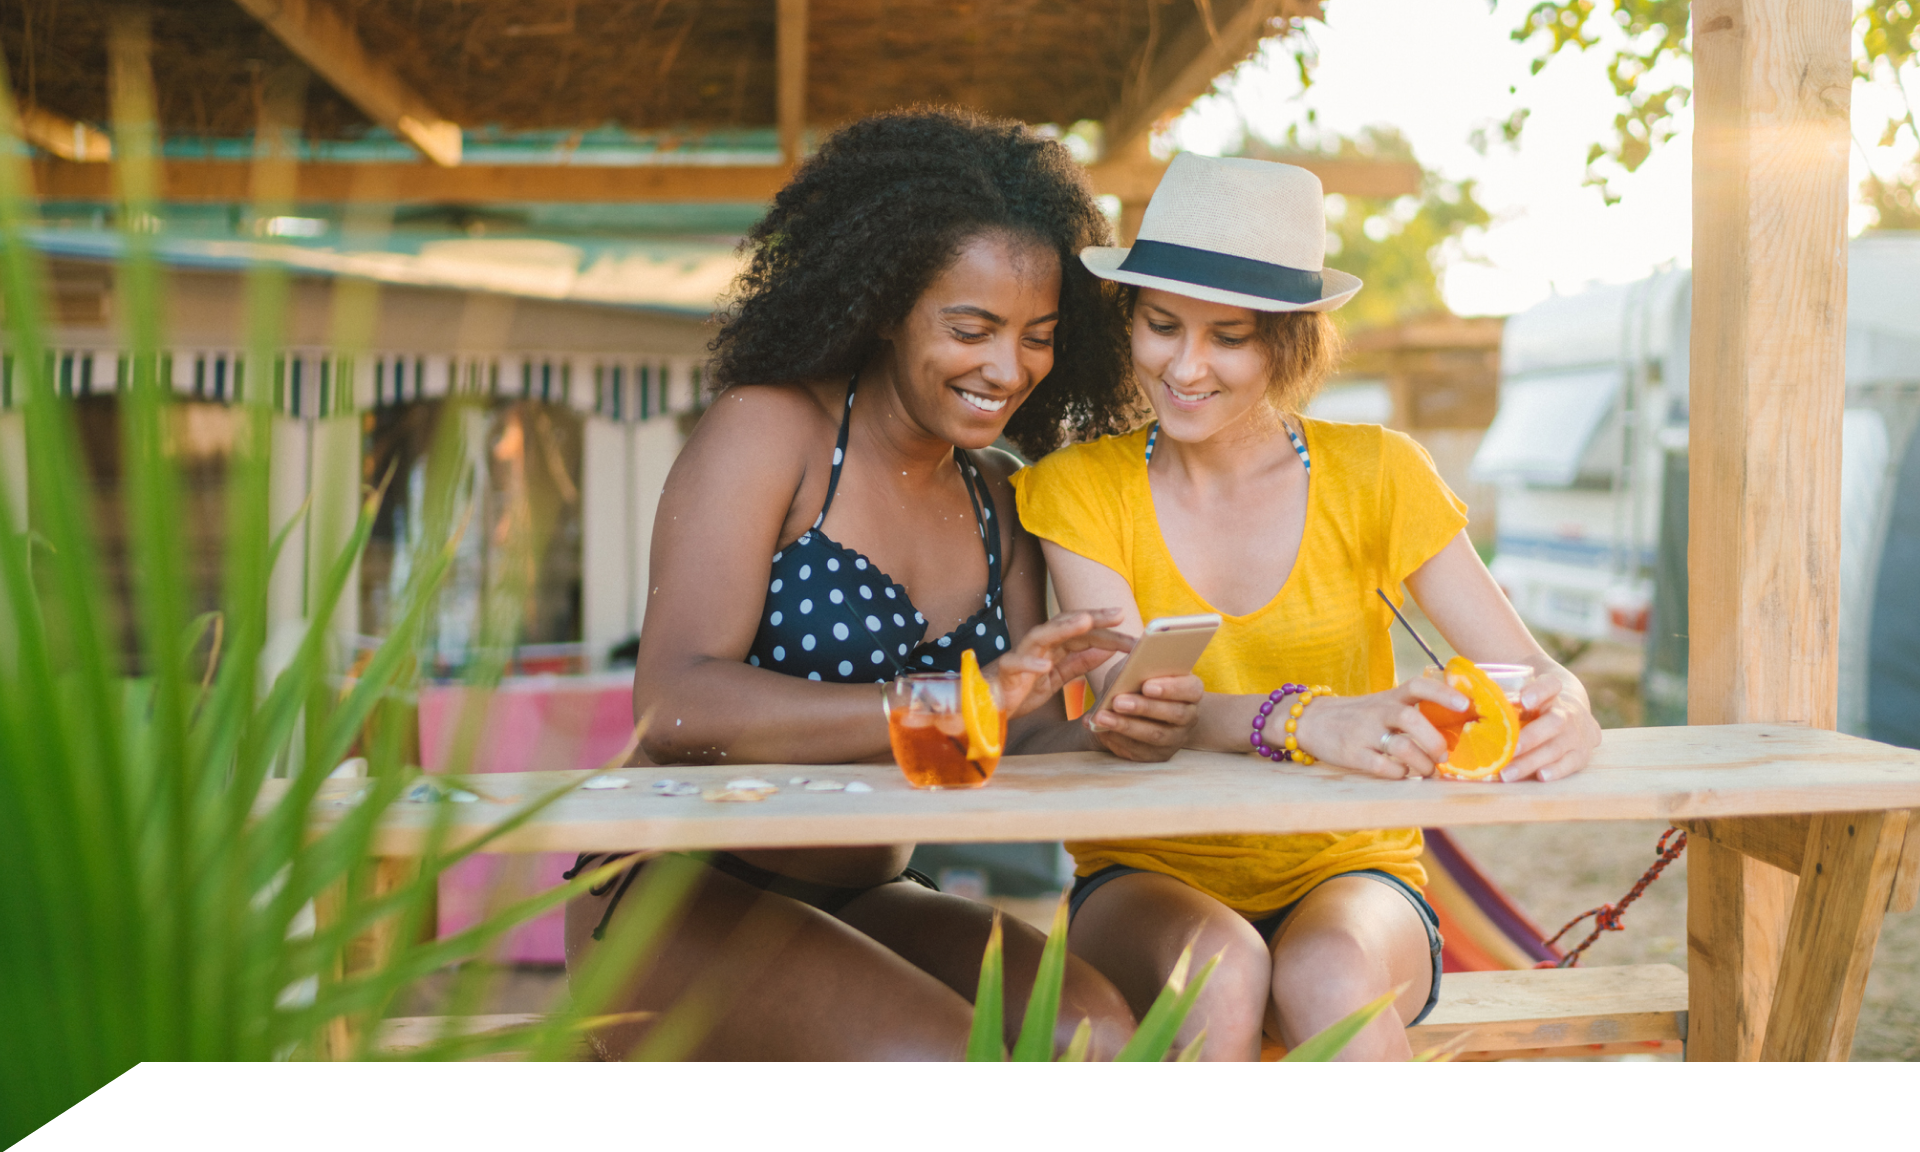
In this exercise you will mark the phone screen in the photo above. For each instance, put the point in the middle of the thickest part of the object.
(1170, 646)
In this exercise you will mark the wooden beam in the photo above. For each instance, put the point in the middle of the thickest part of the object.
(1131, 177)
(317, 33)
(1772, 82)
(1845, 881)
(200, 181)
(1134, 178)
(67, 139)
(1217, 36)
(221, 180)
(1777, 840)
(790, 52)
(276, 135)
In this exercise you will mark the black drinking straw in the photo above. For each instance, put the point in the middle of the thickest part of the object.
(1409, 628)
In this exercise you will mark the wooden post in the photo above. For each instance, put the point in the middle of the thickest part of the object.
(790, 77)
(1737, 911)
(1140, 172)
(1772, 82)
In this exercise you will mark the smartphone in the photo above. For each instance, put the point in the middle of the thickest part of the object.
(1170, 646)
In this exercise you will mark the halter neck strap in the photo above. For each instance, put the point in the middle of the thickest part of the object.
(977, 491)
(1299, 446)
(839, 453)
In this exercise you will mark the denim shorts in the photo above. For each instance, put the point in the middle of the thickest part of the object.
(1084, 886)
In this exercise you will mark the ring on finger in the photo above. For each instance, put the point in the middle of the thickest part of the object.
(1386, 743)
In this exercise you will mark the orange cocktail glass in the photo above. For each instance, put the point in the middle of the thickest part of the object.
(1510, 677)
(929, 736)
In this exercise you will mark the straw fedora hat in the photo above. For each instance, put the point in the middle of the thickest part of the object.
(1251, 233)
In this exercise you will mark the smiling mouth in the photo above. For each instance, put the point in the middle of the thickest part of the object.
(1186, 397)
(982, 403)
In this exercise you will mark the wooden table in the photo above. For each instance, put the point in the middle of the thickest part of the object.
(1834, 809)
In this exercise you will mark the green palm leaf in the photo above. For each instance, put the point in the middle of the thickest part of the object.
(1043, 1003)
(984, 1041)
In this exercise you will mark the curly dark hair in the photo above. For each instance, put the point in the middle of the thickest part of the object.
(885, 206)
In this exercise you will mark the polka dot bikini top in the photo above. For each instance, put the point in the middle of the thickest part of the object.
(832, 615)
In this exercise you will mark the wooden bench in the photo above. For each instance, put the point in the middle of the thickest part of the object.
(1546, 1012)
(1557, 1012)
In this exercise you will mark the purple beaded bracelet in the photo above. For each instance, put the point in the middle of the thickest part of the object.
(1260, 746)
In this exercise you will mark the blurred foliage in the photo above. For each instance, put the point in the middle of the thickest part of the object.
(1656, 31)
(1886, 33)
(182, 875)
(1893, 201)
(1395, 245)
(1890, 34)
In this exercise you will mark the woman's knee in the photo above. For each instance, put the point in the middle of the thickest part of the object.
(1331, 960)
(1232, 1007)
(1091, 997)
(1133, 929)
(1351, 942)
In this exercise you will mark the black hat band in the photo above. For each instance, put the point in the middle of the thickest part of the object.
(1206, 269)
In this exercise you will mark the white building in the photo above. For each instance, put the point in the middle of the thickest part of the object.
(611, 389)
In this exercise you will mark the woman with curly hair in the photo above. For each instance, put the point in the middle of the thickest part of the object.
(839, 518)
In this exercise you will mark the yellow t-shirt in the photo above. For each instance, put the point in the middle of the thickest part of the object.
(1376, 511)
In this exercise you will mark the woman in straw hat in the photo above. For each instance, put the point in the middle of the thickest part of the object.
(1233, 502)
(839, 517)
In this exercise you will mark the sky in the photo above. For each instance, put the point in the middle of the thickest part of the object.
(1439, 69)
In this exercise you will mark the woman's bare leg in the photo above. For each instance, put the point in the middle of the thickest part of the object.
(764, 977)
(945, 936)
(1348, 942)
(1133, 929)
(902, 964)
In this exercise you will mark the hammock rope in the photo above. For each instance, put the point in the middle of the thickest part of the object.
(1606, 918)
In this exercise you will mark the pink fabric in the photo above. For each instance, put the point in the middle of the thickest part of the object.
(535, 723)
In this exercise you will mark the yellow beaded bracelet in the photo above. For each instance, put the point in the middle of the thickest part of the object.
(1290, 747)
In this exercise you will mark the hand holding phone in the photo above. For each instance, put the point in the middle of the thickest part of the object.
(1170, 646)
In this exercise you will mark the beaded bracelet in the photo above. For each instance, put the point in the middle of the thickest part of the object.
(1290, 749)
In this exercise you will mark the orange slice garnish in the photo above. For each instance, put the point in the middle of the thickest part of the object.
(1487, 740)
(978, 711)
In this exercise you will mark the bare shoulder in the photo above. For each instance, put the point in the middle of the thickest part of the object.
(776, 413)
(759, 430)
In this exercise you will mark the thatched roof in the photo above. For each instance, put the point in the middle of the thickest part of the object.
(650, 64)
(604, 101)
